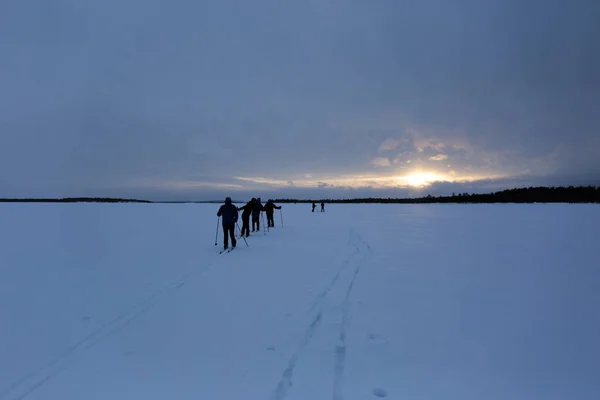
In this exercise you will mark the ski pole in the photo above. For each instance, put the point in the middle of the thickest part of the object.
(217, 233)
(281, 216)
(262, 216)
(242, 236)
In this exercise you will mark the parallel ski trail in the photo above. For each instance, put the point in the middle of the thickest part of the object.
(40, 376)
(321, 296)
(341, 348)
(285, 383)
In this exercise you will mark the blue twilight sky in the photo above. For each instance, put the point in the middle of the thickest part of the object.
(192, 99)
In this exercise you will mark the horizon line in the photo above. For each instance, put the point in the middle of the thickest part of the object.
(284, 199)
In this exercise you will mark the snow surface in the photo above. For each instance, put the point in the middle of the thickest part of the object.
(133, 301)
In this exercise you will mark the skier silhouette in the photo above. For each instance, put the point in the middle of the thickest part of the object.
(230, 217)
(269, 210)
(258, 207)
(246, 212)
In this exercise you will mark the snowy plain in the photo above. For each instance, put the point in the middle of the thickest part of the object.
(133, 301)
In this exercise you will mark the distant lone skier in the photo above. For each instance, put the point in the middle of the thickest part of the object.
(258, 207)
(246, 212)
(322, 207)
(229, 213)
(314, 206)
(269, 210)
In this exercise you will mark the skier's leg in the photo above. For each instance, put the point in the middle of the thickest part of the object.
(245, 226)
(232, 234)
(225, 236)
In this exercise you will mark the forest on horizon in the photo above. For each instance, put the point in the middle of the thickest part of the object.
(541, 194)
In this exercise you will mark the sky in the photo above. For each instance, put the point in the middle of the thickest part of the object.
(197, 100)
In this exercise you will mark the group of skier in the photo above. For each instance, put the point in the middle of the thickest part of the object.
(253, 208)
(314, 205)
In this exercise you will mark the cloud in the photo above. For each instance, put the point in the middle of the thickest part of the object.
(381, 162)
(439, 157)
(96, 99)
(389, 144)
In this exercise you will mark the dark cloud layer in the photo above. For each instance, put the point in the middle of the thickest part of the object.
(175, 99)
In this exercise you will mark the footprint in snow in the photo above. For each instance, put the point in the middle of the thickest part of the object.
(380, 392)
(271, 348)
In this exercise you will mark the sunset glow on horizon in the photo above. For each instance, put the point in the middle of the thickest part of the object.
(291, 101)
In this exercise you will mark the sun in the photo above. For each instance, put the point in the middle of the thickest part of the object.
(420, 179)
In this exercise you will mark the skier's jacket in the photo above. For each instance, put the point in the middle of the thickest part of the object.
(247, 209)
(229, 213)
(270, 207)
(258, 207)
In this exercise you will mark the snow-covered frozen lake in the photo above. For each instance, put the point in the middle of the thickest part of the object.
(133, 301)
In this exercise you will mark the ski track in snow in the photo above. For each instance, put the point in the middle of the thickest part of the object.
(35, 379)
(340, 351)
(20, 389)
(366, 244)
(321, 296)
(285, 383)
(328, 289)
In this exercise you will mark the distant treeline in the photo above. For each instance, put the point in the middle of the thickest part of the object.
(75, 200)
(540, 194)
(571, 194)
